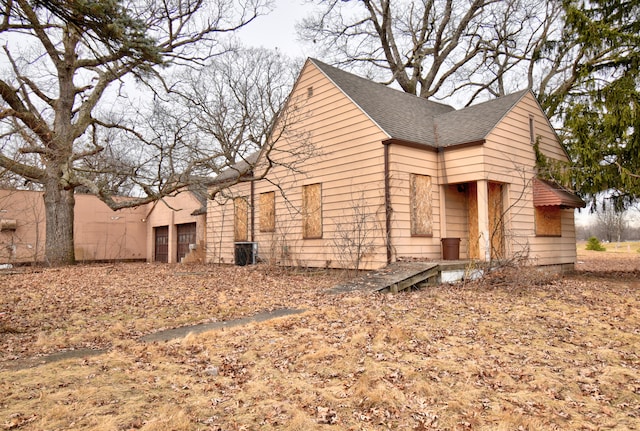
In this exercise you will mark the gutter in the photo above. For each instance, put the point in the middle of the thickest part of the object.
(387, 200)
(253, 210)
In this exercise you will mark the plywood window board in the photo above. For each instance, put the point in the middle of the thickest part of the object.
(474, 231)
(240, 219)
(496, 220)
(268, 212)
(312, 211)
(420, 197)
(548, 221)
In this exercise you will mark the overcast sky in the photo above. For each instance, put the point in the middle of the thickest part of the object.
(277, 30)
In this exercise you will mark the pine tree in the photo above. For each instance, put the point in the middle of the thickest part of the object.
(602, 121)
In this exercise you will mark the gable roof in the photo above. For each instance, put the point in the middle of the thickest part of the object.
(474, 122)
(400, 115)
(406, 117)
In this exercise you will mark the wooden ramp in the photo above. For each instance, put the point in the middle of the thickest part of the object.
(393, 278)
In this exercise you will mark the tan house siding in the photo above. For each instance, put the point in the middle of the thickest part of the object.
(374, 148)
(461, 164)
(220, 224)
(517, 168)
(347, 165)
(405, 161)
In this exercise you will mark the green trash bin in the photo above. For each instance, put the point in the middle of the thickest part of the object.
(450, 248)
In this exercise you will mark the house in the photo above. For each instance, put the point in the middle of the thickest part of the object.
(169, 230)
(393, 177)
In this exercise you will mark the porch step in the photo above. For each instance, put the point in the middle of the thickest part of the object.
(393, 278)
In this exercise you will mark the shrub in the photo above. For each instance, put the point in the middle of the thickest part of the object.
(594, 244)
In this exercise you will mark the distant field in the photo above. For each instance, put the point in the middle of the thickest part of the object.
(614, 247)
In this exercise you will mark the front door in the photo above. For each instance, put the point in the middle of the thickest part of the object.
(496, 220)
(474, 233)
(186, 236)
(162, 244)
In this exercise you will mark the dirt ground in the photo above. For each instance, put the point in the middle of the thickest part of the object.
(517, 351)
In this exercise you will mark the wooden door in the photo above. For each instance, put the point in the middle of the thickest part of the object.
(496, 220)
(474, 233)
(186, 236)
(162, 244)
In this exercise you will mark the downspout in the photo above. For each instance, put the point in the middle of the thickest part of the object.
(387, 200)
(253, 210)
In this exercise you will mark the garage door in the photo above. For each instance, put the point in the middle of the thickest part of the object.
(162, 244)
(186, 236)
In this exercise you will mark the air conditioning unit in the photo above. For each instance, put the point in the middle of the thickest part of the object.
(246, 253)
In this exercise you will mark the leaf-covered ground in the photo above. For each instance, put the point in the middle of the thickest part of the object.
(518, 351)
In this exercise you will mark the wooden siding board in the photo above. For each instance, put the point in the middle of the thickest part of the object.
(349, 162)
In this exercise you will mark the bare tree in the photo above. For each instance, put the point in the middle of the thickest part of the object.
(612, 222)
(71, 66)
(470, 49)
(419, 45)
(239, 108)
(235, 108)
(356, 232)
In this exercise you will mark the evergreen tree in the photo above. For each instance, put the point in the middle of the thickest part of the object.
(602, 118)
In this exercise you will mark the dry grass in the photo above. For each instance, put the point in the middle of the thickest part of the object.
(559, 356)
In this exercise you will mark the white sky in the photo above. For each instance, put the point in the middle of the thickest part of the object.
(277, 30)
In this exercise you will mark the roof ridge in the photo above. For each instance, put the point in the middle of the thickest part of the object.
(382, 86)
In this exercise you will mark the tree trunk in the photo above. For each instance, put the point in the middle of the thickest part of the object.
(59, 206)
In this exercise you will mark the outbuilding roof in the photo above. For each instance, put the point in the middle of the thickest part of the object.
(410, 118)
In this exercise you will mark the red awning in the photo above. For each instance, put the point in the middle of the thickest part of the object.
(546, 193)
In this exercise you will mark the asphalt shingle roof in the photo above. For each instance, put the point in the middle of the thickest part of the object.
(410, 118)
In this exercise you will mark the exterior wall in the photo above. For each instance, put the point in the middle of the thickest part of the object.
(507, 157)
(516, 167)
(462, 164)
(457, 217)
(404, 161)
(173, 211)
(26, 243)
(347, 162)
(100, 233)
(220, 224)
(103, 234)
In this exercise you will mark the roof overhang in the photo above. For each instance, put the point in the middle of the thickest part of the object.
(546, 193)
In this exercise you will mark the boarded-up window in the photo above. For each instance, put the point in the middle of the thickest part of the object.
(312, 211)
(421, 205)
(240, 219)
(548, 221)
(268, 212)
